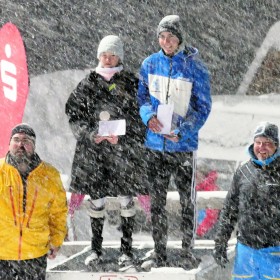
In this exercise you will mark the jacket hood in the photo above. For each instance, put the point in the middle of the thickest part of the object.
(190, 51)
(262, 162)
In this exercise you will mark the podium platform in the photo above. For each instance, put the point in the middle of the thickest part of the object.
(73, 266)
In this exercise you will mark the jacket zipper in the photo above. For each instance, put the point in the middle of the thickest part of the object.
(168, 84)
(167, 96)
(13, 206)
(15, 221)
(32, 207)
(20, 242)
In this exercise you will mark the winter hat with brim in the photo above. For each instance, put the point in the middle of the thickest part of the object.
(24, 128)
(112, 44)
(171, 24)
(268, 130)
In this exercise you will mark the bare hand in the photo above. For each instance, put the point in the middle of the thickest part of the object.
(53, 252)
(154, 125)
(98, 139)
(111, 139)
(172, 137)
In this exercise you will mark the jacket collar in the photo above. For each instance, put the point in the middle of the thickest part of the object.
(262, 163)
(183, 51)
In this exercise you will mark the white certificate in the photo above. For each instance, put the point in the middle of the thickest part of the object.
(164, 115)
(116, 127)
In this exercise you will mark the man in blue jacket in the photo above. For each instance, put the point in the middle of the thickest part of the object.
(175, 82)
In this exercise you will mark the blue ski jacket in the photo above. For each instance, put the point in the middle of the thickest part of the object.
(182, 81)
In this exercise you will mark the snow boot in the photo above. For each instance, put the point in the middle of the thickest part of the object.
(127, 225)
(125, 260)
(96, 241)
(188, 260)
(154, 261)
(93, 258)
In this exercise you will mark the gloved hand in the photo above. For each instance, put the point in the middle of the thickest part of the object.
(220, 254)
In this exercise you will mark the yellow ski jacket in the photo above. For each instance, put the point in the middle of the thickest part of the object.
(29, 235)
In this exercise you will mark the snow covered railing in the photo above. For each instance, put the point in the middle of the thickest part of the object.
(205, 199)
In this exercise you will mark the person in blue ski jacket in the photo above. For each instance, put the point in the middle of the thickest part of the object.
(175, 79)
(253, 203)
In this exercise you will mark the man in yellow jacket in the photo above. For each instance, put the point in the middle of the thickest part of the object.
(33, 209)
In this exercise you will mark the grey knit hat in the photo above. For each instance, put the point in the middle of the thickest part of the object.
(171, 24)
(24, 128)
(268, 130)
(112, 44)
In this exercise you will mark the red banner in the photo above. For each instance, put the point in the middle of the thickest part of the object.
(13, 82)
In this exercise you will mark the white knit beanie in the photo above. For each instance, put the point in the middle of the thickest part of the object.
(112, 44)
(171, 24)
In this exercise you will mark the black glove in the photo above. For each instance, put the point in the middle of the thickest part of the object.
(220, 254)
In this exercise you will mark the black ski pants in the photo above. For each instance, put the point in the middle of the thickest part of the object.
(33, 269)
(160, 167)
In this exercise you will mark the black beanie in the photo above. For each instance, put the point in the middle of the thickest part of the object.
(24, 128)
(171, 24)
(268, 130)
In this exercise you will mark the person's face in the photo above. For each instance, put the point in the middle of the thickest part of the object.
(108, 60)
(21, 146)
(168, 42)
(264, 148)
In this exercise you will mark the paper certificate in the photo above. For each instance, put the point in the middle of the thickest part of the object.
(116, 127)
(164, 115)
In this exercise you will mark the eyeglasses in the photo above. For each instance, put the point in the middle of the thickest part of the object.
(24, 141)
(264, 143)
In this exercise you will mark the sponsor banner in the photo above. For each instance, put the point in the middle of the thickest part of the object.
(13, 82)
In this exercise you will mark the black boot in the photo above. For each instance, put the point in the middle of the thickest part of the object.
(127, 225)
(96, 241)
(159, 232)
(188, 259)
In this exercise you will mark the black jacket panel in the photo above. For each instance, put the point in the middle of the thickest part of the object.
(95, 165)
(253, 202)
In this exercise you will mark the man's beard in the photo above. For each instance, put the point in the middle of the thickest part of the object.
(21, 161)
(22, 157)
